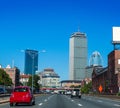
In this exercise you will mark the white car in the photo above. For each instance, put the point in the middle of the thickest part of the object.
(76, 93)
(68, 92)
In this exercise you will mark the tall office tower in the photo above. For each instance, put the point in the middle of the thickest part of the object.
(31, 61)
(77, 56)
(96, 59)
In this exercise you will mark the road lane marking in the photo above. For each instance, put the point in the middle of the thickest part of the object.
(117, 105)
(72, 100)
(40, 104)
(89, 98)
(50, 97)
(100, 101)
(45, 100)
(80, 105)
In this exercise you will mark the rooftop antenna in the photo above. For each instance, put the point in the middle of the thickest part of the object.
(12, 63)
(78, 29)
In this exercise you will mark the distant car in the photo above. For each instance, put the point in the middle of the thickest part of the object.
(76, 93)
(68, 92)
(3, 91)
(22, 94)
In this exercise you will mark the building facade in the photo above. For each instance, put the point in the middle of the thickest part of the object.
(14, 74)
(114, 70)
(24, 79)
(96, 59)
(108, 78)
(99, 78)
(70, 83)
(49, 78)
(31, 61)
(77, 56)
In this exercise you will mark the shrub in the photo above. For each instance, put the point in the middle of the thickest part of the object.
(118, 94)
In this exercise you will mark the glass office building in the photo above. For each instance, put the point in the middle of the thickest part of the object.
(31, 61)
(96, 59)
(77, 56)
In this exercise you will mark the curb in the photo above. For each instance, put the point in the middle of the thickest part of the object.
(7, 100)
(4, 101)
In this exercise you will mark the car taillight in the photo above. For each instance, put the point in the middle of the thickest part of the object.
(28, 95)
(12, 95)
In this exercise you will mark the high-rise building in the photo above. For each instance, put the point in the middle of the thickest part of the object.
(31, 61)
(77, 56)
(96, 59)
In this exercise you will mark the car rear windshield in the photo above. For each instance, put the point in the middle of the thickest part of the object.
(76, 90)
(20, 89)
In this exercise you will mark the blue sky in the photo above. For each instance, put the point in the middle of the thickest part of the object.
(48, 24)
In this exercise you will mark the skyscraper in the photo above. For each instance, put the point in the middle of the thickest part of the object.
(77, 56)
(96, 59)
(31, 61)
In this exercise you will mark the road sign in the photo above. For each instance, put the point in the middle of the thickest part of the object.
(100, 88)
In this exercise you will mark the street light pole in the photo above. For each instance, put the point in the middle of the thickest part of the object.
(33, 55)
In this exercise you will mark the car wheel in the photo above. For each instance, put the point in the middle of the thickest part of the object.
(11, 104)
(33, 103)
(71, 96)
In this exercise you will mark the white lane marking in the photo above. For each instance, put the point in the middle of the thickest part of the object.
(40, 104)
(72, 100)
(50, 97)
(45, 100)
(100, 101)
(89, 98)
(80, 105)
(117, 105)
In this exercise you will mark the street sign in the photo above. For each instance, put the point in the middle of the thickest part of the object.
(100, 88)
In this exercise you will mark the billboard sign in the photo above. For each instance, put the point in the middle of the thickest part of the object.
(116, 34)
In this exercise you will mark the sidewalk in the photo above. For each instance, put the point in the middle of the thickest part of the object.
(4, 99)
(114, 97)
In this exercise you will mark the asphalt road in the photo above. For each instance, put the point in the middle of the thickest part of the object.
(63, 101)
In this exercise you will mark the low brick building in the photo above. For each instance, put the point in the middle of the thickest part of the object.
(99, 77)
(14, 74)
(108, 77)
(114, 70)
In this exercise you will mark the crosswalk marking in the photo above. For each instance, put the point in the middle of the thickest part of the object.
(80, 105)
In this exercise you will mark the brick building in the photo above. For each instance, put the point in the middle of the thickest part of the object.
(99, 77)
(114, 70)
(14, 74)
(108, 77)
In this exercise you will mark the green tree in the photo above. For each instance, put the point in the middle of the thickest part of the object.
(36, 85)
(5, 79)
(87, 88)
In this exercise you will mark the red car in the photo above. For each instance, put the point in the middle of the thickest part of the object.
(22, 94)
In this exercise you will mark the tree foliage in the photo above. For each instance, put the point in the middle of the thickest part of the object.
(36, 85)
(87, 88)
(5, 79)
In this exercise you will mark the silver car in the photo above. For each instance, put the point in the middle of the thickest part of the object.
(76, 93)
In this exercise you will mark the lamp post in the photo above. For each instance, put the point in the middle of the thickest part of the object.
(33, 54)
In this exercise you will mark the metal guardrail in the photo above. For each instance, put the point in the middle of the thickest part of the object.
(4, 95)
